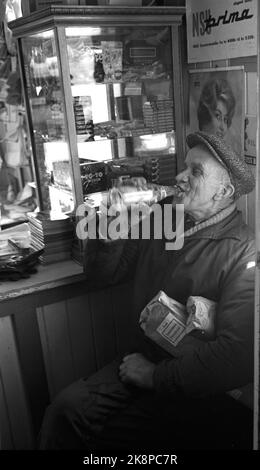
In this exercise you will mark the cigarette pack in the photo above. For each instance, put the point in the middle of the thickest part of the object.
(166, 321)
(93, 177)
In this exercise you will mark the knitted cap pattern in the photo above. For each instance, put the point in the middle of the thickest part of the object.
(239, 172)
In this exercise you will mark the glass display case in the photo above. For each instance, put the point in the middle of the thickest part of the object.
(103, 89)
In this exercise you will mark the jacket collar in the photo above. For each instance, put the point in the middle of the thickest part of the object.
(230, 227)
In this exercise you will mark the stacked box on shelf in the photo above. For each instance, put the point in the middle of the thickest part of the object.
(158, 115)
(160, 169)
(83, 123)
(167, 168)
(53, 233)
(151, 169)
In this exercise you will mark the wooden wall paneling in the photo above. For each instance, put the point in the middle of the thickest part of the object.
(81, 336)
(242, 206)
(246, 97)
(251, 201)
(256, 434)
(122, 306)
(6, 438)
(103, 326)
(56, 346)
(13, 387)
(32, 364)
(251, 109)
(251, 102)
(61, 293)
(178, 84)
(13, 306)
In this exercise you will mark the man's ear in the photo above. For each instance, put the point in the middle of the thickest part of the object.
(224, 192)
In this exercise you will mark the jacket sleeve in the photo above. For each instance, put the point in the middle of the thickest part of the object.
(108, 263)
(227, 362)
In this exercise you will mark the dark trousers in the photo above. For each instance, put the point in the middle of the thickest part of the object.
(101, 413)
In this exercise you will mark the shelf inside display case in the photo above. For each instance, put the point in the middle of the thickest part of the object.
(120, 87)
(123, 103)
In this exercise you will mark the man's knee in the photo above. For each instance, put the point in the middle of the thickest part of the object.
(62, 405)
(67, 404)
(61, 418)
(81, 409)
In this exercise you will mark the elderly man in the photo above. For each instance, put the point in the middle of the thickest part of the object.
(151, 400)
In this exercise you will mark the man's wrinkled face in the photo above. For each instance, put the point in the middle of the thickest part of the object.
(199, 182)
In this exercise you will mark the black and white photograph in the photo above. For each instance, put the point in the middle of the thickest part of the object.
(129, 233)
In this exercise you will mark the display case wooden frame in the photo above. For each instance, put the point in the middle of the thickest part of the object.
(57, 19)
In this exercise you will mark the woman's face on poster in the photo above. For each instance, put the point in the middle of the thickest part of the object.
(218, 125)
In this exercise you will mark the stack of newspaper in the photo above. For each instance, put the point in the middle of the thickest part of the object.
(53, 233)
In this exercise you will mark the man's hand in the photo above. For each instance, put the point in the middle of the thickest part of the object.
(137, 370)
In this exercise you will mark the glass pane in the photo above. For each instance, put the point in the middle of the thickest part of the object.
(121, 82)
(45, 97)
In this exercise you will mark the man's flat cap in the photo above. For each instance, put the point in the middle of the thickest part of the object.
(239, 172)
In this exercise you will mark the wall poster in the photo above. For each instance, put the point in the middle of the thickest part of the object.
(217, 104)
(221, 29)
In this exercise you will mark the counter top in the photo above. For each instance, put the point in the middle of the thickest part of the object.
(47, 277)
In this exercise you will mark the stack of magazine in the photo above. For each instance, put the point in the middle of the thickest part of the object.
(53, 232)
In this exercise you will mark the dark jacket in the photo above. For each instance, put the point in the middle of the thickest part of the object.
(213, 263)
